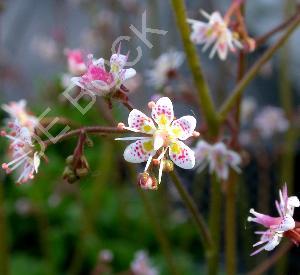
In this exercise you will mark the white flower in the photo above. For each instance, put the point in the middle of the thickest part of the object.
(22, 151)
(164, 68)
(101, 82)
(215, 32)
(17, 111)
(271, 120)
(141, 264)
(166, 137)
(217, 157)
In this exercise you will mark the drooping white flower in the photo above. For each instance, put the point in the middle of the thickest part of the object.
(215, 32)
(141, 264)
(167, 136)
(101, 82)
(17, 111)
(271, 120)
(165, 67)
(22, 151)
(218, 157)
(276, 226)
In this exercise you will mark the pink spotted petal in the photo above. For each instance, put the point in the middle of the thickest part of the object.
(139, 122)
(139, 151)
(182, 155)
(184, 127)
(163, 113)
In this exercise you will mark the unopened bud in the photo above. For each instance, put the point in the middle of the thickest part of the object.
(70, 159)
(151, 104)
(168, 166)
(196, 134)
(82, 172)
(89, 142)
(145, 181)
(121, 126)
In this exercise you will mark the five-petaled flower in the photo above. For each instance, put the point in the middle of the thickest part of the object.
(167, 136)
(22, 151)
(100, 82)
(215, 32)
(277, 227)
(218, 157)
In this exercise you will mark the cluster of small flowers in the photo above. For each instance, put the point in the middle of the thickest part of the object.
(20, 133)
(277, 227)
(215, 32)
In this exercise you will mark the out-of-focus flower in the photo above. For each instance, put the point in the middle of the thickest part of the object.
(101, 82)
(17, 111)
(167, 136)
(22, 151)
(276, 226)
(271, 120)
(218, 157)
(106, 255)
(215, 32)
(76, 62)
(141, 264)
(247, 109)
(165, 68)
(45, 47)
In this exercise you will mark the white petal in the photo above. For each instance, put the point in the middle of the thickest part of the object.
(139, 151)
(163, 113)
(140, 122)
(184, 127)
(182, 155)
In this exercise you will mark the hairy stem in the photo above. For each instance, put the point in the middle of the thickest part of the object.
(242, 84)
(205, 98)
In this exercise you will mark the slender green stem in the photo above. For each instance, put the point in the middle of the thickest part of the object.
(159, 232)
(215, 223)
(195, 214)
(242, 84)
(205, 98)
(164, 243)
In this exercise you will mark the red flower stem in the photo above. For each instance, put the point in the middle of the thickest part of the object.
(89, 129)
(242, 84)
(262, 39)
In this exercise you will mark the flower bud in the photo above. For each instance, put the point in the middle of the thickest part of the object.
(168, 166)
(82, 172)
(70, 159)
(145, 181)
